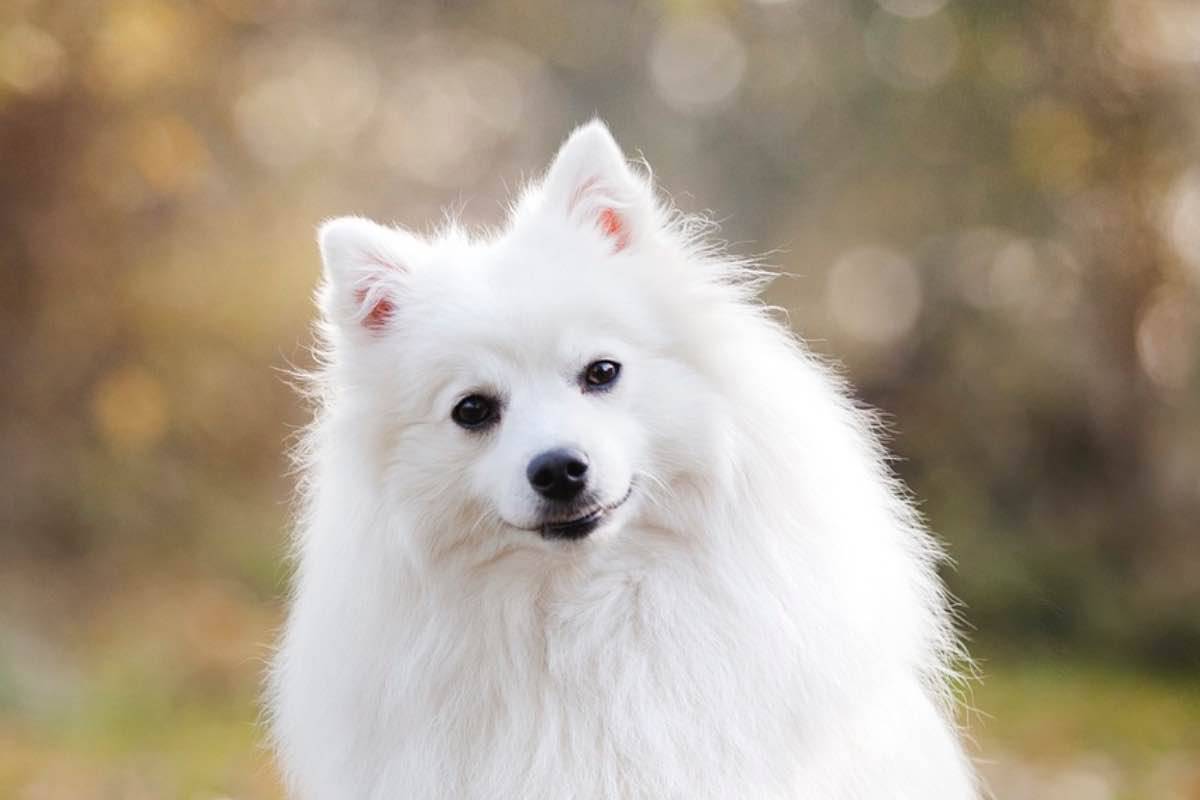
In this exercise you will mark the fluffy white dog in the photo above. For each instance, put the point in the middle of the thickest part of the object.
(582, 520)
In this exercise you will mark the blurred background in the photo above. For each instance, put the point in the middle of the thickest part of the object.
(988, 212)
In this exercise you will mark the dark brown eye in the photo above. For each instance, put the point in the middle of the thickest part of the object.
(474, 411)
(601, 374)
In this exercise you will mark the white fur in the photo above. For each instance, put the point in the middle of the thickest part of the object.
(762, 618)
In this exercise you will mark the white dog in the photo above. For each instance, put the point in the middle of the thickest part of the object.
(583, 521)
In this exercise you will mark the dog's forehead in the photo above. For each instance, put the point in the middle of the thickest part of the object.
(553, 318)
(546, 301)
(534, 294)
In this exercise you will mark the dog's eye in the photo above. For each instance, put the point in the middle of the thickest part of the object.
(474, 411)
(600, 374)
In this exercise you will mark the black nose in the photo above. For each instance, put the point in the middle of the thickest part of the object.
(558, 474)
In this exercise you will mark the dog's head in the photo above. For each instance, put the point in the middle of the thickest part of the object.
(534, 387)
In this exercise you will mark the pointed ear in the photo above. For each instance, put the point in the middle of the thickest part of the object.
(365, 267)
(591, 183)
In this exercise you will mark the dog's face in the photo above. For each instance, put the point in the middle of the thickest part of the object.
(529, 389)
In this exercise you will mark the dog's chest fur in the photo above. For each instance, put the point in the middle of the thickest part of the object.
(581, 685)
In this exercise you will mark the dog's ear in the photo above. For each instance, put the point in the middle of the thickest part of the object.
(592, 184)
(365, 268)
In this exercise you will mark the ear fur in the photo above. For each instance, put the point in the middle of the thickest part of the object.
(591, 183)
(365, 266)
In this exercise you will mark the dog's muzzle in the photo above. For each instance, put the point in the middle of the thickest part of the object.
(580, 526)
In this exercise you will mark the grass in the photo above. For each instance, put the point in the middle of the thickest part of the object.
(156, 699)
(134, 733)
(1068, 729)
(1056, 709)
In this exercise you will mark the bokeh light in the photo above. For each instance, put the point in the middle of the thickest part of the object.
(1053, 145)
(875, 295)
(31, 60)
(1180, 218)
(308, 99)
(1167, 337)
(912, 8)
(130, 409)
(917, 52)
(697, 64)
(1157, 31)
(140, 44)
(454, 103)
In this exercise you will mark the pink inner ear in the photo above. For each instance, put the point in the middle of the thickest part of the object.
(614, 228)
(611, 223)
(379, 315)
(381, 312)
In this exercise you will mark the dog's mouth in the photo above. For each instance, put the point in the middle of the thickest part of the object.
(581, 526)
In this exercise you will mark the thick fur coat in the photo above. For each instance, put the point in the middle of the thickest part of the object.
(754, 611)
